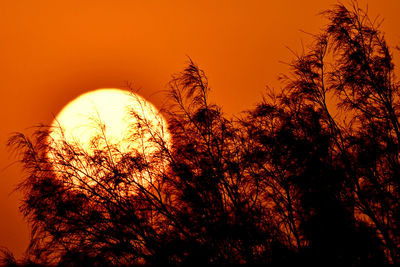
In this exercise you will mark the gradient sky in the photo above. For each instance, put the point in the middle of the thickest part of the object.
(53, 51)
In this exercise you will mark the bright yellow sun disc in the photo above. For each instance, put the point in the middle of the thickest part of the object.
(106, 119)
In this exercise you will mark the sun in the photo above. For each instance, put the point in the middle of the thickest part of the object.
(114, 122)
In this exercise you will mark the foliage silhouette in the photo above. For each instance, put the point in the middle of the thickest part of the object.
(291, 181)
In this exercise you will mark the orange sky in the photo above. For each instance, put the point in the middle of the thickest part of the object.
(53, 51)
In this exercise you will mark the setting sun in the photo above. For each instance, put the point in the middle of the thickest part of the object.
(104, 124)
(108, 116)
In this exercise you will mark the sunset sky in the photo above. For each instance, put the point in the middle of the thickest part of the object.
(53, 51)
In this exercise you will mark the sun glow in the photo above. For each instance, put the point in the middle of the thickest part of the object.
(114, 122)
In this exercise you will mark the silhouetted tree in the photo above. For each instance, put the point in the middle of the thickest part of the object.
(219, 200)
(361, 76)
(340, 169)
(291, 181)
(189, 202)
